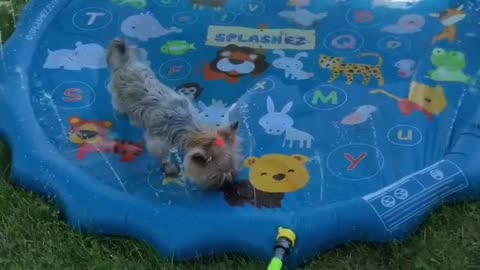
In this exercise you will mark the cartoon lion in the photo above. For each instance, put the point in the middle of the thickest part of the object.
(233, 62)
(271, 176)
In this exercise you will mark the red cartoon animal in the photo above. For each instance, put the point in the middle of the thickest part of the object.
(92, 136)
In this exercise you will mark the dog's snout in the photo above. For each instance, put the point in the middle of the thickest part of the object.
(235, 61)
(279, 176)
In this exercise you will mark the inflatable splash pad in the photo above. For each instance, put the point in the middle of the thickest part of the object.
(358, 117)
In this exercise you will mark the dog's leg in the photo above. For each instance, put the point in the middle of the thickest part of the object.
(160, 150)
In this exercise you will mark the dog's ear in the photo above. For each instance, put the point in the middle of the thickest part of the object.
(234, 126)
(231, 128)
(227, 132)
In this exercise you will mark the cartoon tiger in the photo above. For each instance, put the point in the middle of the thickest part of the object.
(92, 136)
(337, 66)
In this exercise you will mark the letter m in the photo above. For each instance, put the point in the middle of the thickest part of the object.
(331, 97)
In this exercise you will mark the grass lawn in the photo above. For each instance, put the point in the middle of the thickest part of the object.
(33, 235)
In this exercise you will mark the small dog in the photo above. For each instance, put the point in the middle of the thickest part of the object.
(169, 120)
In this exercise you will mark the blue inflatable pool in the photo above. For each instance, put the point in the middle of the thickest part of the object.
(358, 117)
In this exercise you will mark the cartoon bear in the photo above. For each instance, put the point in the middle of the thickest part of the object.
(271, 176)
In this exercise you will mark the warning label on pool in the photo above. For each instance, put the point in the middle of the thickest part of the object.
(416, 194)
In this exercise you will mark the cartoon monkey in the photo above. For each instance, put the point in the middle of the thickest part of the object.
(191, 90)
(92, 136)
(448, 18)
(428, 100)
(233, 62)
(271, 176)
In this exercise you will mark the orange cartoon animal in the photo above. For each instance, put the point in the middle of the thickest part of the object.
(233, 62)
(92, 136)
(448, 18)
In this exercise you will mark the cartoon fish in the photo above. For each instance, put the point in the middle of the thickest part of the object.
(177, 47)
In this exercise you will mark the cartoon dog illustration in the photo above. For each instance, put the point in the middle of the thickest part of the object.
(92, 136)
(271, 176)
(448, 18)
(430, 101)
(233, 62)
(337, 66)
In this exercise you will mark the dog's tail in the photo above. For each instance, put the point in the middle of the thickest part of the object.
(117, 54)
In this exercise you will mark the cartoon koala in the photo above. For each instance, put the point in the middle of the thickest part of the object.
(271, 176)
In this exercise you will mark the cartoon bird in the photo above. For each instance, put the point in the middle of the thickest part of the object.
(428, 100)
(407, 24)
(360, 115)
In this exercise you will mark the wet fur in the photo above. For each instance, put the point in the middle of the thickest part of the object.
(169, 120)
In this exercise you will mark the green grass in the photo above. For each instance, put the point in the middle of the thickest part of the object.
(34, 236)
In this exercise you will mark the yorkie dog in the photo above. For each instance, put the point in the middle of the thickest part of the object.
(169, 120)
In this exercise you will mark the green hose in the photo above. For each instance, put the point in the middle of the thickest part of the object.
(283, 246)
(275, 264)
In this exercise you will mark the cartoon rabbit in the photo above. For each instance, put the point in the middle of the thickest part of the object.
(277, 123)
(293, 66)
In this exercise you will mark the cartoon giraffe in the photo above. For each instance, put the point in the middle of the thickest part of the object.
(448, 18)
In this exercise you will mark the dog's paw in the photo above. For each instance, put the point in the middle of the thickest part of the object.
(170, 170)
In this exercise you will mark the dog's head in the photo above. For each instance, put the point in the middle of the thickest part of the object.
(120, 53)
(212, 158)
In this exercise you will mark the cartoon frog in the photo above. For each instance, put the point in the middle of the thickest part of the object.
(449, 66)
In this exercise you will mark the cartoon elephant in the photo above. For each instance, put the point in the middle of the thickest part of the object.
(61, 58)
